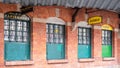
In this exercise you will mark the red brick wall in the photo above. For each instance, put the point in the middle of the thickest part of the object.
(3, 9)
(38, 38)
(118, 50)
(2, 44)
(118, 47)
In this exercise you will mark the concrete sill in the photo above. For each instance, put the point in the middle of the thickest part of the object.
(8, 63)
(109, 59)
(57, 61)
(86, 60)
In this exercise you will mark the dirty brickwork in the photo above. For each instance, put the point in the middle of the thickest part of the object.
(38, 39)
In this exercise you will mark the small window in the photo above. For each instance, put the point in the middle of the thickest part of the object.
(106, 37)
(84, 36)
(16, 31)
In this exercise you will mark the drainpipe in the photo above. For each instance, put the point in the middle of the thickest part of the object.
(119, 16)
(75, 14)
(73, 19)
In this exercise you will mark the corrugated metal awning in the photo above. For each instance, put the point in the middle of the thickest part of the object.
(111, 5)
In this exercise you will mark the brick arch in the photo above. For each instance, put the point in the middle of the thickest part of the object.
(83, 24)
(108, 27)
(15, 13)
(55, 20)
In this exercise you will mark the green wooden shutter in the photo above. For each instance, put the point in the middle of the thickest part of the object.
(106, 51)
(55, 51)
(17, 51)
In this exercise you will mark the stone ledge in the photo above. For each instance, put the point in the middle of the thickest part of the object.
(57, 61)
(8, 63)
(86, 60)
(108, 59)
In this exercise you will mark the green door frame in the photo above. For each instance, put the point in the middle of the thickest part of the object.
(106, 43)
(84, 48)
(55, 49)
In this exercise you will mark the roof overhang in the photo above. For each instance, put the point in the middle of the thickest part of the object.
(110, 5)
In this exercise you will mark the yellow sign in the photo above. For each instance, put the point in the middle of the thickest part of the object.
(107, 27)
(94, 20)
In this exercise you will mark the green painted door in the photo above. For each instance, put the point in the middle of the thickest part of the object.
(55, 51)
(84, 51)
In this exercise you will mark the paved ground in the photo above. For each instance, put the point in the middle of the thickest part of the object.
(112, 66)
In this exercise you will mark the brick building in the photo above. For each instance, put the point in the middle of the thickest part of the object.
(58, 37)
